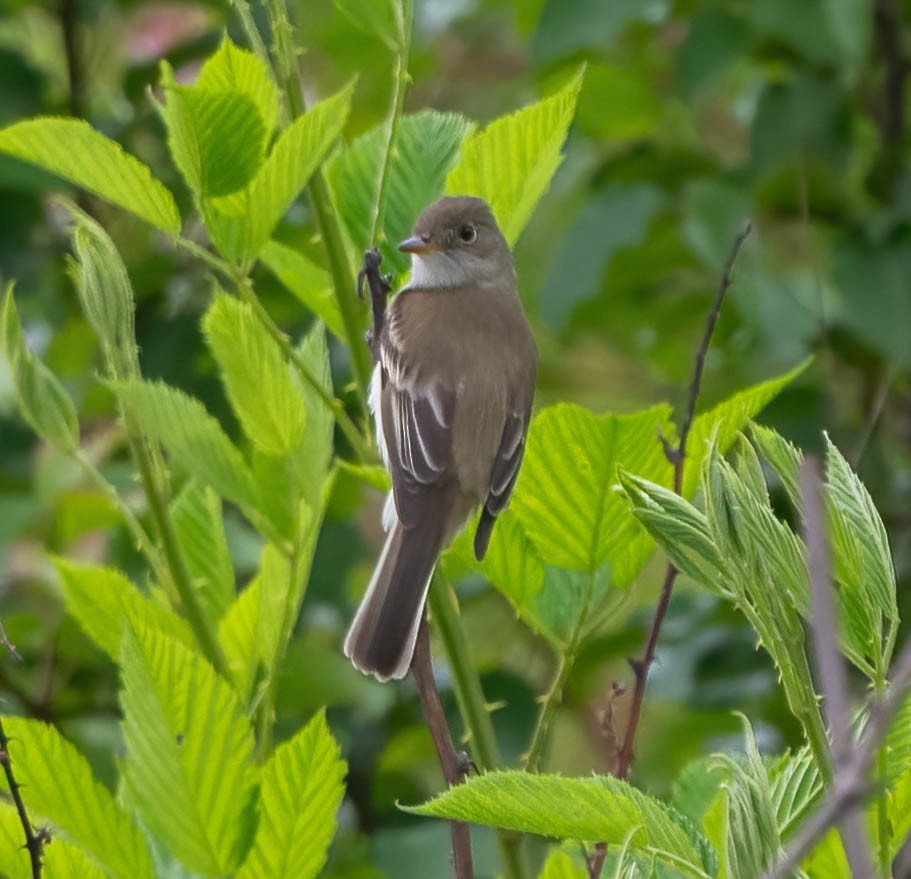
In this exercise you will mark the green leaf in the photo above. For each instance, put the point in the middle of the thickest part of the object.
(62, 860)
(785, 458)
(105, 292)
(311, 284)
(57, 784)
(572, 515)
(302, 788)
(191, 436)
(201, 534)
(511, 162)
(383, 19)
(104, 603)
(426, 147)
(242, 223)
(560, 865)
(217, 138)
(189, 766)
(14, 859)
(42, 400)
(73, 150)
(236, 70)
(263, 391)
(862, 567)
(796, 784)
(596, 809)
(238, 633)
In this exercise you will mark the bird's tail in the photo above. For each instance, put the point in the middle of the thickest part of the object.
(382, 637)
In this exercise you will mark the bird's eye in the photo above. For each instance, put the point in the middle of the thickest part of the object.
(468, 234)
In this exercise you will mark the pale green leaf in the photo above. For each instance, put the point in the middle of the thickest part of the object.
(104, 602)
(784, 457)
(73, 150)
(722, 423)
(260, 385)
(560, 865)
(43, 402)
(862, 567)
(238, 633)
(302, 788)
(796, 784)
(596, 809)
(236, 70)
(828, 860)
(14, 859)
(242, 223)
(189, 767)
(63, 860)
(217, 138)
(311, 284)
(105, 292)
(426, 147)
(201, 534)
(511, 162)
(572, 515)
(383, 19)
(58, 786)
(192, 437)
(696, 787)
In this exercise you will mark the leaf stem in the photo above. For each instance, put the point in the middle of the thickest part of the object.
(552, 701)
(405, 13)
(326, 216)
(444, 610)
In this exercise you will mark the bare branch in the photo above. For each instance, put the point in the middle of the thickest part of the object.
(830, 663)
(677, 456)
(10, 647)
(34, 840)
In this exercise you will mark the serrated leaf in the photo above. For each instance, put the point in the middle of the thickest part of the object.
(511, 162)
(785, 458)
(105, 292)
(14, 859)
(383, 19)
(238, 632)
(73, 150)
(596, 809)
(263, 391)
(201, 534)
(189, 767)
(242, 223)
(237, 70)
(63, 860)
(217, 138)
(43, 402)
(191, 436)
(513, 565)
(426, 147)
(560, 865)
(104, 603)
(302, 788)
(862, 567)
(796, 784)
(311, 284)
(572, 514)
(57, 785)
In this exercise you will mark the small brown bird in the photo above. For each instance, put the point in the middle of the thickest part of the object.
(452, 396)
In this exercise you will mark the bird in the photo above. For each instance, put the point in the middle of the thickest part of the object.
(452, 395)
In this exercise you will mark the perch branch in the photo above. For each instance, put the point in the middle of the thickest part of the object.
(34, 840)
(677, 456)
(830, 663)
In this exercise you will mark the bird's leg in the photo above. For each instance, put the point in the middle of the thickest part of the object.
(379, 285)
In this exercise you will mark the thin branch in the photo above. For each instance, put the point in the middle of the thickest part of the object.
(10, 647)
(876, 410)
(677, 457)
(595, 861)
(830, 663)
(452, 763)
(854, 787)
(69, 25)
(34, 841)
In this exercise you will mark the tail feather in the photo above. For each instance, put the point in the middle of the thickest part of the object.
(382, 637)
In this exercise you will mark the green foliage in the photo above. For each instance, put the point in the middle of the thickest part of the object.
(600, 808)
(13, 855)
(510, 163)
(73, 150)
(189, 770)
(297, 822)
(559, 865)
(58, 786)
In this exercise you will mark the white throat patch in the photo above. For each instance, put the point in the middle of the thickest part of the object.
(436, 270)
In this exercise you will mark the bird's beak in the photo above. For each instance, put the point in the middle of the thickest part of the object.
(416, 244)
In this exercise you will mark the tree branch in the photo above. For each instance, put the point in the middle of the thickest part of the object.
(677, 457)
(34, 841)
(830, 663)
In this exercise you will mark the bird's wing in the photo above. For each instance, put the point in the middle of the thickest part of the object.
(417, 421)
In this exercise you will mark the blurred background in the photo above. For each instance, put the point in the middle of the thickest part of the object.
(695, 115)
